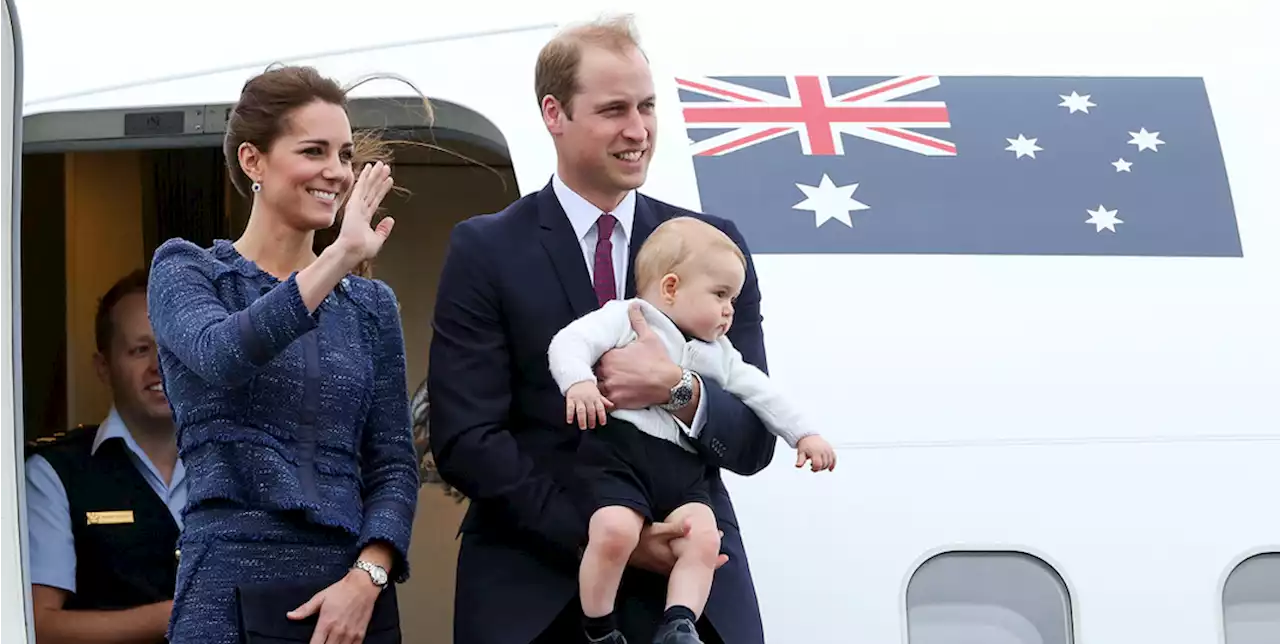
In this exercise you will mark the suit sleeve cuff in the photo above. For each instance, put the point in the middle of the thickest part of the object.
(700, 414)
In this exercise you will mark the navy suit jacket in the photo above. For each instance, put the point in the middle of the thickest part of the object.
(510, 281)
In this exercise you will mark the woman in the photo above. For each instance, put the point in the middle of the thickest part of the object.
(286, 374)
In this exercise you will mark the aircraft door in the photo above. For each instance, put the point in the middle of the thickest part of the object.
(14, 599)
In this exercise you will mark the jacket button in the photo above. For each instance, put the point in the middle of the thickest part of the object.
(177, 554)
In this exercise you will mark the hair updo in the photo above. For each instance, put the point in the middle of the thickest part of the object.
(261, 115)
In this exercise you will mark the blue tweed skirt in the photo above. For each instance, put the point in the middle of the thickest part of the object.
(224, 547)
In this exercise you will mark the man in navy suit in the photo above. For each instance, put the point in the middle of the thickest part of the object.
(510, 281)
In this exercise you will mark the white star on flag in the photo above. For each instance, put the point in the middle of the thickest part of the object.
(1103, 218)
(1023, 146)
(1122, 165)
(829, 201)
(1145, 140)
(1076, 103)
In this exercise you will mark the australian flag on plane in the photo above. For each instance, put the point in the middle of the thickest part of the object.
(963, 165)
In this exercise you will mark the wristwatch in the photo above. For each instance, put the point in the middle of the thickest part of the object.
(377, 573)
(681, 393)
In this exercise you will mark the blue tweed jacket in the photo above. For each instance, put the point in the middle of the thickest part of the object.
(278, 409)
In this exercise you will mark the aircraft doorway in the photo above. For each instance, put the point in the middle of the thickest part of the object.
(96, 207)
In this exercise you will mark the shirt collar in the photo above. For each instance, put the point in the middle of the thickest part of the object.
(114, 427)
(582, 215)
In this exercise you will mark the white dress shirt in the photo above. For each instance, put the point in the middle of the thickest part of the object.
(582, 216)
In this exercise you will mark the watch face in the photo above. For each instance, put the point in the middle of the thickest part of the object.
(379, 576)
(682, 393)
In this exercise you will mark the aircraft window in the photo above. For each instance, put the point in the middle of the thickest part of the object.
(1251, 601)
(989, 597)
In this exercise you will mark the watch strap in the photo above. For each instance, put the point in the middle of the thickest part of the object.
(681, 393)
(374, 571)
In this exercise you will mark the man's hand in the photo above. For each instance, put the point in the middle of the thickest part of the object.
(56, 625)
(640, 374)
(654, 553)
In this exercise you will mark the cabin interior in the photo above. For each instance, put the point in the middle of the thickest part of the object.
(95, 205)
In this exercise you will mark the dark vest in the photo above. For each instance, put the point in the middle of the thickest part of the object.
(122, 561)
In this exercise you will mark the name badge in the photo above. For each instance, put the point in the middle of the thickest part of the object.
(109, 517)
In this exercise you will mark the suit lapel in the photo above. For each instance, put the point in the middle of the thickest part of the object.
(561, 244)
(642, 225)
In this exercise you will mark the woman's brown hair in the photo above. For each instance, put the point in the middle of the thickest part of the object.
(260, 117)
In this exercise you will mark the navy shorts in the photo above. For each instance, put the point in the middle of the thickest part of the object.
(624, 466)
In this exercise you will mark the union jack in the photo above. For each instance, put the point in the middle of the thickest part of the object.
(819, 118)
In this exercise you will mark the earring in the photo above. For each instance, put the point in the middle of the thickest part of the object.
(257, 187)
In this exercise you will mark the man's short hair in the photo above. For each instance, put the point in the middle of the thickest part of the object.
(673, 243)
(556, 72)
(134, 282)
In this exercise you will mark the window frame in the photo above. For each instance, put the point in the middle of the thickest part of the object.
(1072, 605)
(1220, 597)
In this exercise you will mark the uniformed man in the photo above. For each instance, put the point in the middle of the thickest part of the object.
(104, 501)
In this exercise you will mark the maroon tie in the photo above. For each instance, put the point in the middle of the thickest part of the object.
(605, 287)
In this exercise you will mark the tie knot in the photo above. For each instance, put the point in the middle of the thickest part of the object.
(605, 223)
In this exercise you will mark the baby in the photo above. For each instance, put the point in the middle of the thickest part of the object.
(641, 466)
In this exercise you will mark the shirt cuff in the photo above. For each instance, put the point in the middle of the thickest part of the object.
(699, 416)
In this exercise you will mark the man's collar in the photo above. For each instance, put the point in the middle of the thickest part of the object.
(582, 215)
(113, 427)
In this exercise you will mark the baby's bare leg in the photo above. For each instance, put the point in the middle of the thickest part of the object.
(696, 558)
(612, 536)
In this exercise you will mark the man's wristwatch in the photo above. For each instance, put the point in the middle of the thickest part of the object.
(377, 573)
(681, 393)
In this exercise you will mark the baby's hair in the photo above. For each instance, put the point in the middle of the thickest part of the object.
(673, 243)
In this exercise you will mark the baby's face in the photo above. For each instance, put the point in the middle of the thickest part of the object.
(703, 304)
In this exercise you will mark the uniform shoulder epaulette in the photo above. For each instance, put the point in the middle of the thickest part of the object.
(75, 434)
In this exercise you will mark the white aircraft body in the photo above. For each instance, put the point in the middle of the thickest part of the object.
(1019, 260)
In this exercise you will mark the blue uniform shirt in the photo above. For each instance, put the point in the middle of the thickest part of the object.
(53, 551)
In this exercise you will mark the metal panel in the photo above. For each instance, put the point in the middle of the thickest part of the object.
(140, 123)
(204, 126)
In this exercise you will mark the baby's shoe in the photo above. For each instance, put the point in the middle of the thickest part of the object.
(680, 631)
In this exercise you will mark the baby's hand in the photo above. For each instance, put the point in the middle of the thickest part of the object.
(819, 450)
(585, 401)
